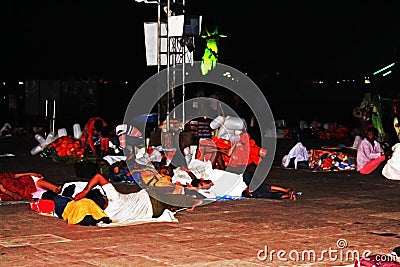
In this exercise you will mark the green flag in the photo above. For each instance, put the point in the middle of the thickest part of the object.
(210, 57)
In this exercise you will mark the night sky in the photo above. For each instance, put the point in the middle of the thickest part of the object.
(324, 40)
(281, 45)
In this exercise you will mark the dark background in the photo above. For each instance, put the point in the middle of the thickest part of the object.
(334, 40)
(282, 45)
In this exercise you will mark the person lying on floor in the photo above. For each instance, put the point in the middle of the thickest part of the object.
(265, 190)
(271, 192)
(239, 189)
(90, 206)
(197, 188)
(192, 185)
(32, 185)
(46, 198)
(24, 186)
(162, 175)
(144, 204)
(202, 188)
(86, 211)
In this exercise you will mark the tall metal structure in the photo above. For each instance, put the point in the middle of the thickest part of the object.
(176, 53)
(172, 49)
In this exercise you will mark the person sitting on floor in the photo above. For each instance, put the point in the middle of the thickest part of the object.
(370, 153)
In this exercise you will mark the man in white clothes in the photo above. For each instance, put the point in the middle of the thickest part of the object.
(144, 204)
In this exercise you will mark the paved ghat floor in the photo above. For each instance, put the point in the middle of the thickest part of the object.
(339, 216)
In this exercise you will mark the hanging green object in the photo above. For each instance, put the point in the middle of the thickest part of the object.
(210, 57)
(372, 109)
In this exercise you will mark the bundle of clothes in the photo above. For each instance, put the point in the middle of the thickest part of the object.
(318, 159)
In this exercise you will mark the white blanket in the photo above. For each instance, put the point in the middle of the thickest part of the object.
(166, 216)
(226, 185)
(201, 169)
(112, 159)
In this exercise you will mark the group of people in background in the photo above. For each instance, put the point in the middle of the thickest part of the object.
(115, 206)
(84, 205)
(376, 145)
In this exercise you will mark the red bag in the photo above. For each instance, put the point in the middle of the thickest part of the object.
(377, 260)
(206, 149)
(239, 157)
(222, 143)
(43, 205)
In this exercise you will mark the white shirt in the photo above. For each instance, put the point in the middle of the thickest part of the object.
(126, 207)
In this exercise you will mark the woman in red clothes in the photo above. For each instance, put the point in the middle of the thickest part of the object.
(95, 137)
(24, 186)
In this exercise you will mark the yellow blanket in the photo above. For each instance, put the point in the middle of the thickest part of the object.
(75, 211)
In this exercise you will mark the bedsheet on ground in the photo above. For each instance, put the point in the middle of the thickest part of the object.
(166, 216)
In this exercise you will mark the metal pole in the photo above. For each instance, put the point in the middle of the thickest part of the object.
(158, 37)
(158, 2)
(183, 87)
(53, 118)
(158, 57)
(183, 77)
(173, 82)
(168, 62)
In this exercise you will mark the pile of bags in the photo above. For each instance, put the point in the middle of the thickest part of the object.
(331, 160)
(67, 146)
(61, 145)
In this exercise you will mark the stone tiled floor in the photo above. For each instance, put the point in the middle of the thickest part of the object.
(343, 213)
